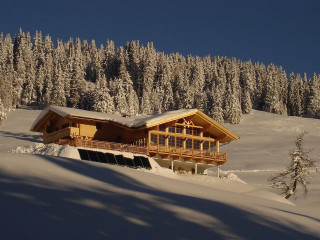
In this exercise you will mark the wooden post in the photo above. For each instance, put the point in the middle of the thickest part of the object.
(201, 142)
(196, 168)
(172, 165)
(184, 144)
(166, 143)
(217, 147)
(218, 171)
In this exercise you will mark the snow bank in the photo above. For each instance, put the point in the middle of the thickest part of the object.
(72, 152)
(49, 149)
(157, 169)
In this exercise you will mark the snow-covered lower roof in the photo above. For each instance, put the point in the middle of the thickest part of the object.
(132, 122)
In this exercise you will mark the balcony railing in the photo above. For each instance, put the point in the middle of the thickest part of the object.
(151, 150)
(197, 155)
(105, 145)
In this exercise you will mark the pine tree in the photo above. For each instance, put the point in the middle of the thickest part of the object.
(296, 89)
(77, 82)
(3, 115)
(313, 108)
(232, 105)
(246, 82)
(102, 101)
(297, 173)
(148, 76)
(58, 94)
(197, 83)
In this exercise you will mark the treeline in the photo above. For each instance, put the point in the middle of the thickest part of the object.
(136, 79)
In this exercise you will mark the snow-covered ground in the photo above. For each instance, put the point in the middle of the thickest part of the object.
(52, 195)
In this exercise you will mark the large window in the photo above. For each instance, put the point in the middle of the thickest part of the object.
(189, 131)
(196, 144)
(189, 143)
(179, 142)
(196, 132)
(154, 139)
(171, 141)
(162, 128)
(179, 130)
(205, 146)
(162, 140)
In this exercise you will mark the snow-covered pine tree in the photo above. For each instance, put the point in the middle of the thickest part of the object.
(3, 114)
(296, 173)
(296, 89)
(313, 108)
(232, 105)
(149, 69)
(272, 89)
(197, 83)
(102, 101)
(162, 97)
(131, 98)
(259, 86)
(246, 83)
(77, 82)
(58, 97)
(47, 79)
(133, 51)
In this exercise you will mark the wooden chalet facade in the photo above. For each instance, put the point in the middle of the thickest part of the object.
(182, 140)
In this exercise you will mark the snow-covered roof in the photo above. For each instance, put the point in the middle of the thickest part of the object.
(132, 122)
(211, 126)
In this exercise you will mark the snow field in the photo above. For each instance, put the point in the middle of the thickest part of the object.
(46, 196)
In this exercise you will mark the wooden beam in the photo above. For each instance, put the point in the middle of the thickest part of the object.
(186, 125)
(182, 135)
(206, 127)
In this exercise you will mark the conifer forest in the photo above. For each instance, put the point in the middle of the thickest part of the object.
(138, 80)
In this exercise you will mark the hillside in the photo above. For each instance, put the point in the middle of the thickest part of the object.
(50, 197)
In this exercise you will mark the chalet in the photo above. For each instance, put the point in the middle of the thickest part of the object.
(182, 140)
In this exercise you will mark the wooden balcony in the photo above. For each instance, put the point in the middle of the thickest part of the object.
(105, 145)
(152, 150)
(188, 154)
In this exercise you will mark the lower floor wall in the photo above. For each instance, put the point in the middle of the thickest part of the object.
(184, 167)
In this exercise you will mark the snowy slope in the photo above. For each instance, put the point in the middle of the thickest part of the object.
(50, 197)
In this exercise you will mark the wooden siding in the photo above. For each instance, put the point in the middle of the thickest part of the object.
(60, 134)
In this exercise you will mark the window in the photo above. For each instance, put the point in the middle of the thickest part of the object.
(179, 142)
(73, 124)
(98, 125)
(196, 144)
(189, 143)
(188, 131)
(205, 146)
(171, 141)
(196, 132)
(172, 129)
(162, 140)
(162, 128)
(179, 130)
(154, 139)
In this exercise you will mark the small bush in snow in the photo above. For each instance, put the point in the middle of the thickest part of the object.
(296, 173)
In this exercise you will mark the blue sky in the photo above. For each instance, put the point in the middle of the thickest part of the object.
(283, 32)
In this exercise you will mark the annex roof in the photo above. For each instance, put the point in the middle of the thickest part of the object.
(140, 121)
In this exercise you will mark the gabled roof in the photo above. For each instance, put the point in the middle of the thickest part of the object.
(140, 122)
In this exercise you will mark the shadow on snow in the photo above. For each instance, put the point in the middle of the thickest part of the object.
(34, 208)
